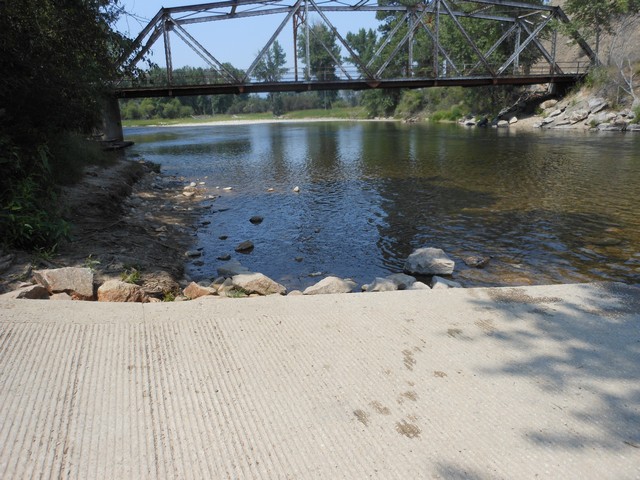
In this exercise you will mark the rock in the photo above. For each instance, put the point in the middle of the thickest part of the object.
(227, 189)
(231, 269)
(256, 219)
(64, 297)
(6, 261)
(192, 184)
(513, 120)
(402, 280)
(555, 113)
(258, 283)
(429, 261)
(380, 285)
(30, 292)
(226, 257)
(77, 282)
(548, 104)
(294, 293)
(330, 285)
(471, 122)
(194, 291)
(578, 116)
(223, 237)
(419, 286)
(270, 189)
(439, 283)
(610, 127)
(483, 122)
(193, 253)
(503, 124)
(296, 189)
(475, 261)
(118, 291)
(244, 247)
(597, 104)
(226, 287)
(188, 193)
(299, 259)
(634, 127)
(546, 121)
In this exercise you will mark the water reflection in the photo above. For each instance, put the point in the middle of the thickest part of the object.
(548, 206)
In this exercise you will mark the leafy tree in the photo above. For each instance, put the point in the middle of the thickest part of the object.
(56, 59)
(324, 55)
(596, 16)
(271, 68)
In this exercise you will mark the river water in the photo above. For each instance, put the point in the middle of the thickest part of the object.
(547, 206)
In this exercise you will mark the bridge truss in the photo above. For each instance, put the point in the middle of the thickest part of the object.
(527, 29)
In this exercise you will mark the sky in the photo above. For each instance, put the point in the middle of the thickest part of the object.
(236, 41)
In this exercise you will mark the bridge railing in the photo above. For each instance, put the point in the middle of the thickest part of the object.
(212, 77)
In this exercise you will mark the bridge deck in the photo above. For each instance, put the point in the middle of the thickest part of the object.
(360, 84)
(537, 382)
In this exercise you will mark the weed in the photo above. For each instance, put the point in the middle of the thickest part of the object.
(169, 297)
(236, 293)
(131, 275)
(91, 263)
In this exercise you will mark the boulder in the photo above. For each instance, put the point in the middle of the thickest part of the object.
(578, 116)
(232, 268)
(634, 127)
(513, 120)
(119, 291)
(402, 280)
(380, 285)
(555, 113)
(193, 253)
(471, 122)
(294, 293)
(330, 285)
(65, 297)
(429, 261)
(439, 283)
(31, 292)
(194, 291)
(610, 127)
(225, 287)
(548, 104)
(597, 104)
(77, 282)
(258, 283)
(245, 246)
(503, 124)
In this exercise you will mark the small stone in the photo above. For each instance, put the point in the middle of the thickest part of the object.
(503, 124)
(65, 297)
(298, 259)
(440, 283)
(315, 274)
(201, 183)
(245, 247)
(193, 253)
(228, 189)
(188, 193)
(513, 120)
(419, 286)
(296, 189)
(270, 189)
(192, 184)
(294, 293)
(256, 219)
(223, 237)
(224, 258)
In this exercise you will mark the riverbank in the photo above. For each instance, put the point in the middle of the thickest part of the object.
(128, 222)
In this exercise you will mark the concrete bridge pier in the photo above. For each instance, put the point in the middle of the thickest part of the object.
(112, 121)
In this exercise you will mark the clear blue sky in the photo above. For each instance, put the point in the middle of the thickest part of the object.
(236, 41)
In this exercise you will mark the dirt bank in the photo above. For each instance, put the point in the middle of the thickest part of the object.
(127, 219)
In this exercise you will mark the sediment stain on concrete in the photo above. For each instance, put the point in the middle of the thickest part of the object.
(380, 408)
(439, 374)
(518, 295)
(409, 430)
(362, 416)
(409, 359)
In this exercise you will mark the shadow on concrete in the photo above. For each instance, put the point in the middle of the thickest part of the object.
(596, 345)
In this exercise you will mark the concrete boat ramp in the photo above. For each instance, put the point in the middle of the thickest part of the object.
(509, 383)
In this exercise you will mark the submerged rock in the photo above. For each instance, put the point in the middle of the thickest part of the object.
(232, 268)
(245, 247)
(256, 219)
(429, 261)
(476, 261)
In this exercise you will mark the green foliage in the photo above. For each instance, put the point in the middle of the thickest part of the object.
(596, 78)
(131, 275)
(91, 263)
(169, 297)
(451, 115)
(56, 60)
(271, 68)
(323, 55)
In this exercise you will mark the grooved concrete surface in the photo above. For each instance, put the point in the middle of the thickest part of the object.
(536, 382)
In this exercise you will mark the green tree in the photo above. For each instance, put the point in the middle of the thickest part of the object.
(594, 17)
(271, 68)
(324, 55)
(56, 59)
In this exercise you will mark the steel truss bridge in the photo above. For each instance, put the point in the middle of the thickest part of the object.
(526, 29)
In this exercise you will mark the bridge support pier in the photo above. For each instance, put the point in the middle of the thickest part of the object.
(112, 121)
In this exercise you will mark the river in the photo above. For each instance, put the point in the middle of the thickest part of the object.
(547, 206)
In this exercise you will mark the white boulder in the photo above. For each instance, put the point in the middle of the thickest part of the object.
(429, 261)
(258, 283)
(330, 285)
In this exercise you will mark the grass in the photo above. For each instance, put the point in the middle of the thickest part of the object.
(341, 113)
